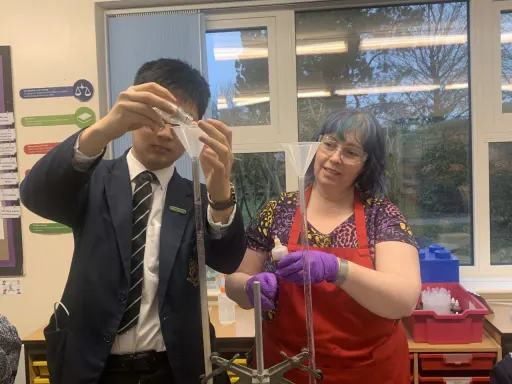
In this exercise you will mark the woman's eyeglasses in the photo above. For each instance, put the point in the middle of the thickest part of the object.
(349, 154)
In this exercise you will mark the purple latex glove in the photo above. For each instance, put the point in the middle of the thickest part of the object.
(324, 267)
(268, 289)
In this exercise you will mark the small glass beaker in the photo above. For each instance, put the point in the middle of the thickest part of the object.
(180, 117)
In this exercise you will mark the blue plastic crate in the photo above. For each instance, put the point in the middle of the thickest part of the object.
(438, 265)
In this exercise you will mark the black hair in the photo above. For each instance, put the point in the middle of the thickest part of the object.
(181, 79)
(372, 180)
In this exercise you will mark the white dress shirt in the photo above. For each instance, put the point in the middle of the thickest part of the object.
(146, 335)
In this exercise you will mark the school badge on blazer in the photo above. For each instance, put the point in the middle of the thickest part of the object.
(193, 272)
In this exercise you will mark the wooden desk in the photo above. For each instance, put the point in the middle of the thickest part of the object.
(228, 336)
(244, 328)
(234, 338)
(239, 338)
(231, 339)
(488, 345)
(35, 350)
(34, 338)
(499, 326)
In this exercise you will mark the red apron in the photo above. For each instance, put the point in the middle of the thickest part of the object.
(352, 344)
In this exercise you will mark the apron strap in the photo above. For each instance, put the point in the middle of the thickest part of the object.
(362, 238)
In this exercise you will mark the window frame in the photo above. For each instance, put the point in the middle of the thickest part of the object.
(487, 121)
(475, 11)
(502, 120)
(292, 182)
(279, 84)
(484, 43)
(282, 83)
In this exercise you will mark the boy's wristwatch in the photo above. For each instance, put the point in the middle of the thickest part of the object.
(222, 205)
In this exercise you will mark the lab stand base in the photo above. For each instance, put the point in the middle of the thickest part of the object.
(272, 375)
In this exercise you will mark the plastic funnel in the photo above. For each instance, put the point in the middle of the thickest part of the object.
(300, 155)
(189, 137)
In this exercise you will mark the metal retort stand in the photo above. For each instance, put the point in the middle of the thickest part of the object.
(261, 375)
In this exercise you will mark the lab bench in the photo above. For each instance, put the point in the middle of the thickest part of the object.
(239, 338)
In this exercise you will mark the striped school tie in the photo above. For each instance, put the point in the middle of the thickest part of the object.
(142, 199)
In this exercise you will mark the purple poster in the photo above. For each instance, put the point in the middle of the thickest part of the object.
(11, 253)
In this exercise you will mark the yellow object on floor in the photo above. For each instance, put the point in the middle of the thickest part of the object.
(232, 377)
(41, 368)
(41, 380)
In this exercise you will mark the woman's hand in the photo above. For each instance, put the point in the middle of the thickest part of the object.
(324, 267)
(268, 288)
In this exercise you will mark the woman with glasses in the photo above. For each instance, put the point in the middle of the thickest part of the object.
(364, 263)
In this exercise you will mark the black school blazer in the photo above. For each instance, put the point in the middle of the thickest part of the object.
(97, 206)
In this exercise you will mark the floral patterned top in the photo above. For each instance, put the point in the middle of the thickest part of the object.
(10, 347)
(384, 222)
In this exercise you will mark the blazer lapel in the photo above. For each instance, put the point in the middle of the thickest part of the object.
(176, 212)
(119, 196)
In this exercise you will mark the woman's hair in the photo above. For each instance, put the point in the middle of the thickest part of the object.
(372, 180)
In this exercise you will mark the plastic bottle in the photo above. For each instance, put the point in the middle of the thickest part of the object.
(457, 308)
(227, 313)
(279, 251)
(437, 300)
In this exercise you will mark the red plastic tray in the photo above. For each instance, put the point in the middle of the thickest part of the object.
(457, 361)
(454, 380)
(466, 327)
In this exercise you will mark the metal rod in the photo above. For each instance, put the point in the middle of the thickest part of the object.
(258, 325)
(307, 276)
(201, 261)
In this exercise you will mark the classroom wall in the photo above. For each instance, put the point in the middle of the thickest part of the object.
(53, 43)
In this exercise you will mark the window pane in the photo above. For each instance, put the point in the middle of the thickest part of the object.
(238, 76)
(409, 66)
(500, 192)
(258, 177)
(506, 62)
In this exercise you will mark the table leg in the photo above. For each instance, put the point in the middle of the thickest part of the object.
(416, 369)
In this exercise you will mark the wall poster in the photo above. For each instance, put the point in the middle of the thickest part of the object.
(11, 253)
